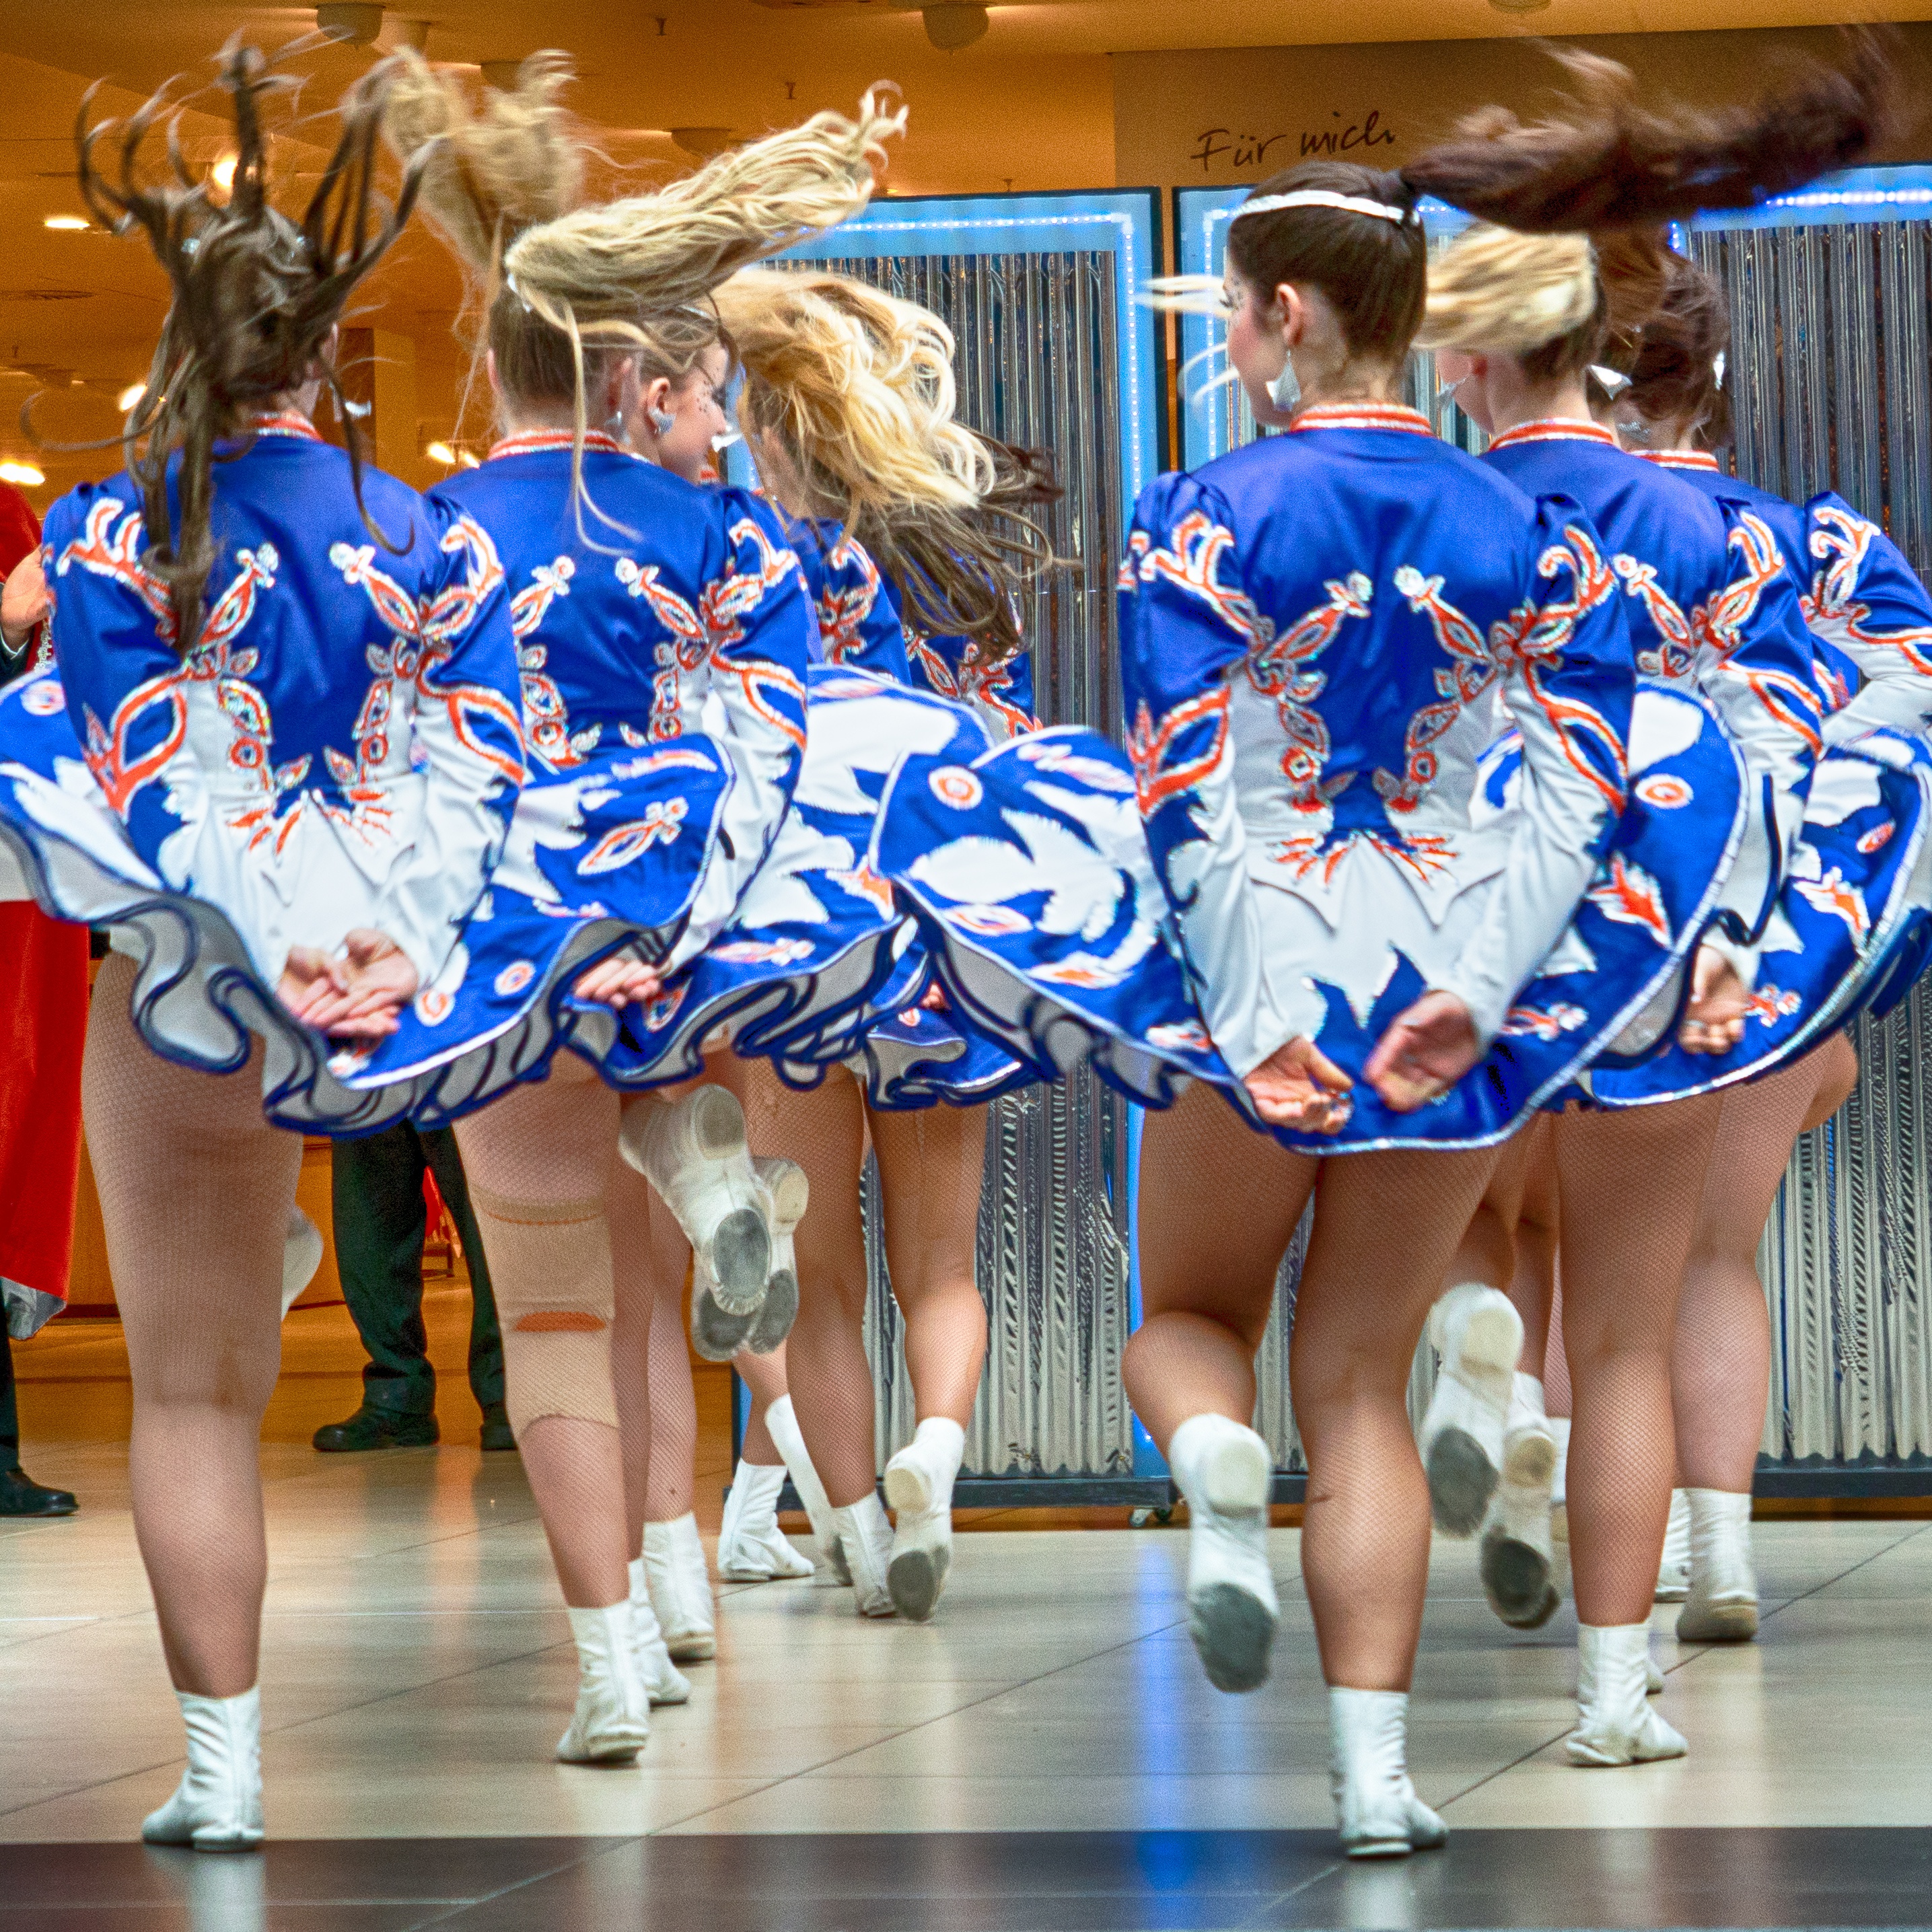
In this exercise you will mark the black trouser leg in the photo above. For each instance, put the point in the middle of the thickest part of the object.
(10, 1408)
(486, 1338)
(380, 1221)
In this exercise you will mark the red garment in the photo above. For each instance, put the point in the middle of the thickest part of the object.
(43, 1027)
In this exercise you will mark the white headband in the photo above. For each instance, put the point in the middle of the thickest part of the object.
(1322, 197)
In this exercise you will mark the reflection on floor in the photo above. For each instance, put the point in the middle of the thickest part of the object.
(1046, 1753)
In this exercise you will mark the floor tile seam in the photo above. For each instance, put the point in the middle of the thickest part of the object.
(908, 1730)
(1502, 1770)
(1805, 1596)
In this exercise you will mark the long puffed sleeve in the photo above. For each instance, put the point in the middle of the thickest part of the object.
(759, 619)
(1865, 598)
(464, 716)
(1753, 661)
(1186, 625)
(1570, 680)
(859, 620)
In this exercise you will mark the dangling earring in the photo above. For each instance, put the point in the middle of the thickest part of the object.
(1285, 391)
(662, 423)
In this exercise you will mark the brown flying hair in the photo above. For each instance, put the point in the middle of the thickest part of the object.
(1604, 162)
(255, 295)
(1675, 375)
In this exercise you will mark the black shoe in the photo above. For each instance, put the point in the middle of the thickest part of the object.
(21, 1496)
(373, 1428)
(496, 1432)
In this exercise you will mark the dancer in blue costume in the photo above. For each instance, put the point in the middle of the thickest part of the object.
(277, 756)
(1518, 320)
(663, 632)
(848, 408)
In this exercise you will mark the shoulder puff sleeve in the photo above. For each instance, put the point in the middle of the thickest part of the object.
(859, 621)
(1569, 679)
(759, 620)
(1865, 598)
(467, 723)
(1754, 661)
(1186, 625)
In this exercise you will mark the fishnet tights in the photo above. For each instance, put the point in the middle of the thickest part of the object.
(196, 1189)
(552, 1141)
(1386, 1228)
(1629, 1184)
(1720, 1358)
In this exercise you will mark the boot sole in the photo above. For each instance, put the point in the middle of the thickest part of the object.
(790, 1189)
(715, 1335)
(1378, 1848)
(772, 1322)
(914, 1579)
(1491, 1340)
(740, 1260)
(227, 1841)
(1234, 1633)
(1238, 1477)
(611, 1753)
(1530, 1461)
(698, 1649)
(1516, 1580)
(1462, 1482)
(1718, 1623)
(907, 1489)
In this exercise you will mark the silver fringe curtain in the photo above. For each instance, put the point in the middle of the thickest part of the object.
(1038, 364)
(1831, 382)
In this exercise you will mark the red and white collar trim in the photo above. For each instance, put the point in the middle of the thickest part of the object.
(1364, 415)
(552, 438)
(1681, 459)
(1553, 429)
(288, 422)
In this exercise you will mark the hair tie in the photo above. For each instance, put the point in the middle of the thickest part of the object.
(1613, 380)
(1322, 197)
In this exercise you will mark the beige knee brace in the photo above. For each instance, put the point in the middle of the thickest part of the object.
(550, 1265)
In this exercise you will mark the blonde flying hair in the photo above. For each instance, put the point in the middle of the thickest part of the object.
(856, 387)
(1494, 289)
(566, 285)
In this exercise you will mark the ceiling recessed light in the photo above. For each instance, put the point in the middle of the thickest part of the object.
(23, 473)
(69, 224)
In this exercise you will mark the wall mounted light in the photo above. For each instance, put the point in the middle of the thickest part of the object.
(25, 474)
(355, 22)
(130, 396)
(704, 143)
(68, 224)
(950, 25)
(442, 453)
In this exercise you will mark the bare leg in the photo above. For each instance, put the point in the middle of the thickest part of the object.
(539, 1162)
(764, 1379)
(931, 1164)
(196, 1189)
(637, 1272)
(1630, 1186)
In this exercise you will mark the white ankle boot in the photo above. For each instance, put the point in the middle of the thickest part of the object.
(1478, 1334)
(790, 1192)
(751, 1548)
(680, 1588)
(302, 1251)
(217, 1805)
(1673, 1572)
(865, 1533)
(613, 1717)
(1721, 1606)
(1225, 1472)
(1376, 1809)
(664, 1682)
(1615, 1722)
(1518, 1558)
(781, 1425)
(918, 1486)
(693, 1152)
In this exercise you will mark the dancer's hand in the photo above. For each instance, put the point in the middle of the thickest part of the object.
(25, 602)
(1299, 1086)
(1714, 1019)
(619, 981)
(356, 995)
(1425, 1051)
(933, 1000)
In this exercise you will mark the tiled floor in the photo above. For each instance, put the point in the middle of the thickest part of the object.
(1046, 1754)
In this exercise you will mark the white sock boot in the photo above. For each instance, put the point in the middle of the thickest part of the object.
(680, 1588)
(781, 1425)
(1225, 1472)
(751, 1548)
(1518, 1558)
(791, 1192)
(1478, 1334)
(302, 1251)
(1673, 1573)
(613, 1717)
(664, 1682)
(1376, 1809)
(217, 1805)
(1722, 1604)
(918, 1486)
(1614, 1724)
(864, 1533)
(693, 1152)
